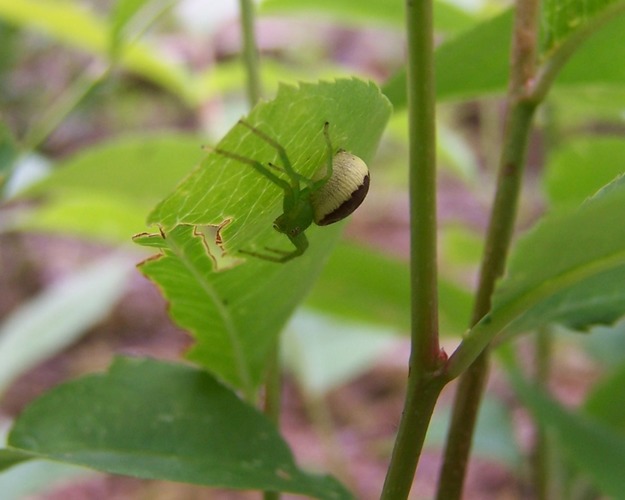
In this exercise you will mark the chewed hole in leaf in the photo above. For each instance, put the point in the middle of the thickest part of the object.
(213, 242)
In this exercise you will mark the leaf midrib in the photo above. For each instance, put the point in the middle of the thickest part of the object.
(224, 314)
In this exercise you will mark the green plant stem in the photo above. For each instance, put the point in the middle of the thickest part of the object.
(472, 382)
(273, 385)
(521, 108)
(84, 85)
(542, 453)
(250, 52)
(63, 106)
(525, 91)
(273, 398)
(321, 418)
(425, 357)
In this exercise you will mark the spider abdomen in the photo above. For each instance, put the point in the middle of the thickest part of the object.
(344, 191)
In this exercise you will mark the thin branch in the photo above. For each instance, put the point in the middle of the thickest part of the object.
(501, 225)
(250, 51)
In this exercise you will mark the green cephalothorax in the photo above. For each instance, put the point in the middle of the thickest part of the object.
(334, 192)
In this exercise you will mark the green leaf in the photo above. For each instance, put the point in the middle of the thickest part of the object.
(122, 13)
(222, 188)
(236, 314)
(561, 18)
(475, 63)
(52, 320)
(594, 62)
(569, 269)
(472, 64)
(579, 168)
(104, 192)
(595, 448)
(236, 307)
(156, 420)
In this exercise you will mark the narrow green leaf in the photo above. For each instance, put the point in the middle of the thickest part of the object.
(53, 320)
(388, 12)
(156, 420)
(72, 24)
(595, 448)
(569, 269)
(122, 13)
(235, 307)
(447, 17)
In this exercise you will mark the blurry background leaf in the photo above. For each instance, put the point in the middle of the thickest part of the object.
(59, 315)
(105, 191)
(598, 450)
(561, 18)
(72, 24)
(362, 285)
(323, 352)
(122, 13)
(475, 63)
(579, 168)
(494, 435)
(606, 402)
(447, 16)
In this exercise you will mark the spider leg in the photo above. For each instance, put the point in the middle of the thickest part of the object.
(280, 256)
(259, 167)
(288, 168)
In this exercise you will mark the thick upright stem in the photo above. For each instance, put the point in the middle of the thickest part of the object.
(425, 357)
(521, 107)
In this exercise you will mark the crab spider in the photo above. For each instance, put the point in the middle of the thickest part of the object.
(335, 191)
